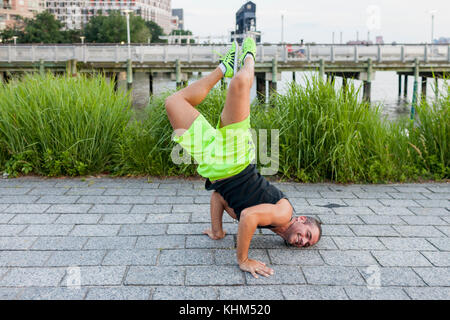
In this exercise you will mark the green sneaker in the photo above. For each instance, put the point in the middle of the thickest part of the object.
(249, 46)
(229, 60)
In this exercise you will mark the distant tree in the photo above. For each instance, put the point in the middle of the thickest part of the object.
(113, 29)
(43, 28)
(182, 33)
(155, 31)
(71, 36)
(16, 30)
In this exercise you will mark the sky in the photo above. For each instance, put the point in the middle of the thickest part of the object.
(403, 21)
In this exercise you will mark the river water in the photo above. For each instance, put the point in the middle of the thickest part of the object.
(384, 90)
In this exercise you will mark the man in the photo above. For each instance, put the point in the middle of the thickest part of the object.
(226, 163)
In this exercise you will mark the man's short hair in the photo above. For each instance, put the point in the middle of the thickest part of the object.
(315, 222)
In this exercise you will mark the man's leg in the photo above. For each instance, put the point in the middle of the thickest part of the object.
(180, 106)
(237, 103)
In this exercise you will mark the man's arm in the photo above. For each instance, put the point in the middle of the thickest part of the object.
(216, 207)
(251, 218)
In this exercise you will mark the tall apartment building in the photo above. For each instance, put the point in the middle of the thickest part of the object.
(10, 10)
(74, 14)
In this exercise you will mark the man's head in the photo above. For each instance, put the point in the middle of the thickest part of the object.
(303, 232)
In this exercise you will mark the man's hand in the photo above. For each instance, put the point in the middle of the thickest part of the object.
(215, 235)
(256, 267)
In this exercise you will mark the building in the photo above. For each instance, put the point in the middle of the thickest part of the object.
(246, 23)
(74, 14)
(177, 19)
(442, 40)
(10, 10)
(379, 40)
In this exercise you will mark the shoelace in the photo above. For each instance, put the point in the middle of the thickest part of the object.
(226, 57)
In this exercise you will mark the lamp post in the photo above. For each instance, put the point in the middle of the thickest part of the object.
(15, 39)
(432, 12)
(282, 26)
(127, 12)
(82, 39)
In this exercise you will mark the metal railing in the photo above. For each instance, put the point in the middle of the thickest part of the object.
(209, 53)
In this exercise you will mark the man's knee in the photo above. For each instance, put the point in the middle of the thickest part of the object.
(241, 81)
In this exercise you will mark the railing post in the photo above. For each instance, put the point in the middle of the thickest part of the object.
(368, 83)
(116, 53)
(166, 54)
(55, 53)
(448, 53)
(178, 73)
(321, 70)
(380, 54)
(261, 53)
(356, 54)
(332, 53)
(308, 52)
(402, 53)
(285, 53)
(142, 55)
(41, 67)
(9, 54)
(129, 74)
(33, 53)
(415, 91)
(189, 53)
(425, 53)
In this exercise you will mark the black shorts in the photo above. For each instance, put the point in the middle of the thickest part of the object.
(246, 189)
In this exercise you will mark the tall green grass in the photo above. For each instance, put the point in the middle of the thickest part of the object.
(52, 125)
(75, 126)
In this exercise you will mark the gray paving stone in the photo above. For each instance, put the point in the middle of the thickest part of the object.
(378, 188)
(437, 196)
(202, 199)
(424, 220)
(53, 293)
(33, 218)
(401, 259)
(69, 208)
(440, 293)
(353, 210)
(435, 277)
(340, 219)
(13, 191)
(159, 192)
(10, 293)
(75, 218)
(267, 242)
(358, 243)
(430, 211)
(58, 199)
(407, 244)
(308, 292)
(363, 293)
(337, 195)
(169, 218)
(187, 208)
(347, 258)
(110, 243)
(18, 199)
(123, 218)
(444, 229)
(161, 242)
(327, 275)
(400, 203)
(75, 258)
(408, 196)
(392, 211)
(131, 257)
(393, 277)
(142, 229)
(98, 276)
(383, 220)
(440, 243)
(95, 230)
(76, 191)
(124, 192)
(282, 275)
(439, 188)
(146, 275)
(5, 217)
(188, 228)
(310, 210)
(185, 293)
(175, 200)
(374, 230)
(214, 275)
(3, 206)
(228, 256)
(98, 199)
(47, 230)
(297, 257)
(411, 189)
(27, 208)
(363, 202)
(434, 203)
(59, 243)
(119, 293)
(336, 230)
(136, 200)
(111, 208)
(23, 258)
(187, 192)
(16, 243)
(186, 257)
(418, 231)
(325, 202)
(372, 195)
(153, 209)
(33, 277)
(439, 259)
(204, 242)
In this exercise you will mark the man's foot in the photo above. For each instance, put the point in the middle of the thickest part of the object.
(248, 47)
(228, 62)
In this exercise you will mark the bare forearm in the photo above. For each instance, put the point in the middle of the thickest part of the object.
(246, 229)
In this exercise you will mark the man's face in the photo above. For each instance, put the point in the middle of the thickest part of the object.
(301, 234)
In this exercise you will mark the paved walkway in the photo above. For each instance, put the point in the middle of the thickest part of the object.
(105, 238)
